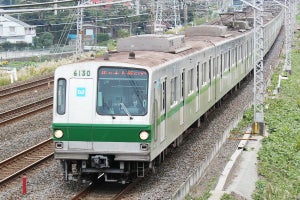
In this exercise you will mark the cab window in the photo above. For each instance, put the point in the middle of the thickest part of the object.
(61, 96)
(122, 91)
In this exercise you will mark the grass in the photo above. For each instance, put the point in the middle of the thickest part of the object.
(30, 69)
(279, 157)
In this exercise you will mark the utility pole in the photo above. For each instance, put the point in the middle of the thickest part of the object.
(79, 16)
(289, 6)
(288, 36)
(80, 6)
(137, 7)
(258, 90)
(185, 12)
(55, 6)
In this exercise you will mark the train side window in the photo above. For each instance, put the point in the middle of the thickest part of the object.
(233, 57)
(209, 70)
(229, 59)
(225, 61)
(190, 81)
(221, 64)
(237, 56)
(204, 66)
(182, 85)
(61, 96)
(198, 77)
(174, 91)
(214, 68)
(217, 65)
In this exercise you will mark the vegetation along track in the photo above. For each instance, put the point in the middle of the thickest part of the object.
(22, 111)
(46, 81)
(17, 164)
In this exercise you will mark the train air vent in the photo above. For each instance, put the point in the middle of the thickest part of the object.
(106, 56)
(131, 55)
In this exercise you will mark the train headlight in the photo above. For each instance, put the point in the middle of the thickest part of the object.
(58, 133)
(144, 135)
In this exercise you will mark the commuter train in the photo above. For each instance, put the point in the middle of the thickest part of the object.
(117, 115)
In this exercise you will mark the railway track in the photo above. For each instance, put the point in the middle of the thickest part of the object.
(21, 162)
(43, 82)
(23, 111)
(101, 190)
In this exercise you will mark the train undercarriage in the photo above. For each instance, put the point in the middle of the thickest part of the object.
(100, 165)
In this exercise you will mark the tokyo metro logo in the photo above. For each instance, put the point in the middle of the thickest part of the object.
(80, 92)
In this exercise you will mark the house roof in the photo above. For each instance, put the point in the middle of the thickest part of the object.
(9, 18)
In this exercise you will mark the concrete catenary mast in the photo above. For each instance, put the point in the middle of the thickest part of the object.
(167, 14)
(258, 90)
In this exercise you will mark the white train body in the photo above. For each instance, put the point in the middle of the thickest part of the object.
(176, 80)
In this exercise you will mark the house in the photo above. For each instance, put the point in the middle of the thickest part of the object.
(15, 31)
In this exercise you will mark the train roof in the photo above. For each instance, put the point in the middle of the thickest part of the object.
(151, 58)
(152, 50)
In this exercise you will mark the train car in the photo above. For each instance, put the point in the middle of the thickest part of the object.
(116, 116)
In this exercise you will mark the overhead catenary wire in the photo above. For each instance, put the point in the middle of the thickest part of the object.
(62, 8)
(35, 4)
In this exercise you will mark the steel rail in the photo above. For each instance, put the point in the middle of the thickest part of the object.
(31, 153)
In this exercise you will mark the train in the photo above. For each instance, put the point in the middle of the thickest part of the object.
(116, 116)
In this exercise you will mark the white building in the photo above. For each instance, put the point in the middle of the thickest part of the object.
(14, 31)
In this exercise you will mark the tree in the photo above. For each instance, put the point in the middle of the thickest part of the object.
(46, 39)
(123, 33)
(102, 37)
(6, 45)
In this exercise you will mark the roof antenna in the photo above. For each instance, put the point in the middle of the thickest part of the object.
(131, 53)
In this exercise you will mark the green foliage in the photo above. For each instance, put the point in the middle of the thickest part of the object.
(227, 197)
(102, 37)
(20, 64)
(199, 21)
(245, 122)
(4, 81)
(123, 33)
(111, 44)
(279, 157)
(46, 39)
(6, 46)
(206, 193)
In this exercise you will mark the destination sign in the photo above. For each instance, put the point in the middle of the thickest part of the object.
(113, 72)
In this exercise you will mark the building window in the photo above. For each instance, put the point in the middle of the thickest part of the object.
(12, 29)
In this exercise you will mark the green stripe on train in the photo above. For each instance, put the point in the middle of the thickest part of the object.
(102, 132)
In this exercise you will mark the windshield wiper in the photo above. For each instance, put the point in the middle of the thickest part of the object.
(126, 110)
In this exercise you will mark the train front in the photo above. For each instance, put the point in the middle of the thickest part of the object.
(101, 123)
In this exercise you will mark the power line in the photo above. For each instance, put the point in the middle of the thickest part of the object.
(35, 4)
(62, 8)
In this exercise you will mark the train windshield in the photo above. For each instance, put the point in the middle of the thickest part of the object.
(122, 91)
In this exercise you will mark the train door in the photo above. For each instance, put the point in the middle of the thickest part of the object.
(163, 113)
(221, 72)
(198, 87)
(160, 110)
(210, 79)
(216, 66)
